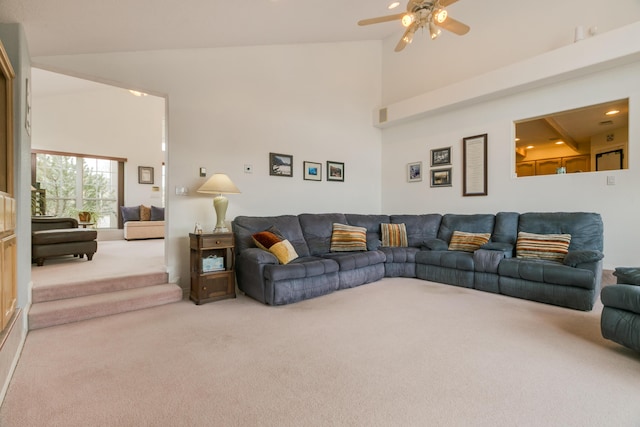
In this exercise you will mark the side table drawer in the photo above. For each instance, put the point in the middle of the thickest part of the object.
(217, 241)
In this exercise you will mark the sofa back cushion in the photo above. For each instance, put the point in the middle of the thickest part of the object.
(585, 228)
(317, 230)
(419, 227)
(288, 225)
(372, 224)
(505, 229)
(477, 223)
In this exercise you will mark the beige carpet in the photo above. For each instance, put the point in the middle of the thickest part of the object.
(399, 352)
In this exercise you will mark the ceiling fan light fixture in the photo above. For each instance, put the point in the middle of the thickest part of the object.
(433, 30)
(408, 38)
(440, 16)
(407, 19)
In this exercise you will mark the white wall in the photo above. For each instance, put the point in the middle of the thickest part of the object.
(502, 32)
(101, 120)
(618, 204)
(231, 107)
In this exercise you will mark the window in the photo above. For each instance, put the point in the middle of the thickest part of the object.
(76, 183)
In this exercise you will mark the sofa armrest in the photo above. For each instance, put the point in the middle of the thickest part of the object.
(628, 275)
(505, 248)
(434, 245)
(55, 223)
(259, 256)
(575, 258)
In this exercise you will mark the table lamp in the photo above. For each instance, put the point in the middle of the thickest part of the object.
(219, 184)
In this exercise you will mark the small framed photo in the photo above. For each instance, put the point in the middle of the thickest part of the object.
(441, 156)
(145, 175)
(414, 172)
(280, 164)
(312, 171)
(441, 177)
(335, 171)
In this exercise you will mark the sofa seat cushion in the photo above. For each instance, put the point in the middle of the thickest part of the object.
(300, 268)
(63, 235)
(407, 254)
(448, 259)
(547, 272)
(354, 260)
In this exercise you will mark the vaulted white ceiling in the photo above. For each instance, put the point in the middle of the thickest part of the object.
(98, 26)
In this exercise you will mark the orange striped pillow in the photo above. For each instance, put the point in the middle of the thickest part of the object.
(348, 238)
(394, 235)
(550, 247)
(468, 242)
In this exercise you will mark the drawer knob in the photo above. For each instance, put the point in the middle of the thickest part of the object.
(217, 242)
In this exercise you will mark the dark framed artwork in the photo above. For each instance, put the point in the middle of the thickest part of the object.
(312, 171)
(145, 175)
(441, 177)
(280, 164)
(335, 171)
(441, 156)
(474, 171)
(414, 172)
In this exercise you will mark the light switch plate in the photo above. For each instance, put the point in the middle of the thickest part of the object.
(203, 172)
(611, 180)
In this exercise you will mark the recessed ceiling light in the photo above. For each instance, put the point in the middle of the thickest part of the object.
(393, 5)
(612, 112)
(529, 147)
(559, 142)
(137, 93)
(517, 139)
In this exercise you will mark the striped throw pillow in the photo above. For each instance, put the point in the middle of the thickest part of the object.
(394, 235)
(550, 247)
(348, 238)
(468, 242)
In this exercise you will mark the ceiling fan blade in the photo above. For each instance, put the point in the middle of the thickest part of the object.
(445, 3)
(406, 37)
(454, 26)
(379, 19)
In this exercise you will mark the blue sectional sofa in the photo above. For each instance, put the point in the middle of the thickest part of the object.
(500, 265)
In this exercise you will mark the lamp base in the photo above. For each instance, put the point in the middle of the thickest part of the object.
(221, 230)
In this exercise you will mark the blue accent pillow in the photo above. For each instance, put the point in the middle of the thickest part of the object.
(130, 213)
(157, 213)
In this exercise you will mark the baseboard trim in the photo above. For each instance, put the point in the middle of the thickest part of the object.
(17, 319)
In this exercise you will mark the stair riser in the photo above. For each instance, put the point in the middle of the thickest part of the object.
(94, 287)
(94, 309)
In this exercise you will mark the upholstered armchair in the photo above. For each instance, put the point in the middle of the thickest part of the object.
(620, 320)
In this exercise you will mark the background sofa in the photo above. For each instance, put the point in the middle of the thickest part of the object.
(143, 222)
(572, 281)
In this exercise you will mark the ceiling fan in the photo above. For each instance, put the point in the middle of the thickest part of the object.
(421, 14)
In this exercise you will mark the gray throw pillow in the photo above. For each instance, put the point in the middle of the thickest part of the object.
(573, 258)
(130, 213)
(435, 245)
(157, 214)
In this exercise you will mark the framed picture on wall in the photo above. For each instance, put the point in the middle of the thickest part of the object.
(335, 171)
(145, 175)
(441, 156)
(280, 164)
(312, 171)
(474, 161)
(441, 177)
(414, 172)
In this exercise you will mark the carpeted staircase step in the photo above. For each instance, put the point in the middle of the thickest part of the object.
(97, 286)
(50, 313)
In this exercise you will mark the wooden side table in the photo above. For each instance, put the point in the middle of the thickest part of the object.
(212, 260)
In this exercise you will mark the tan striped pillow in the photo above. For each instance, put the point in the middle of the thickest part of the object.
(550, 247)
(468, 242)
(394, 235)
(348, 238)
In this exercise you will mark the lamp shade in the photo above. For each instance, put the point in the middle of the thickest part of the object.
(219, 183)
